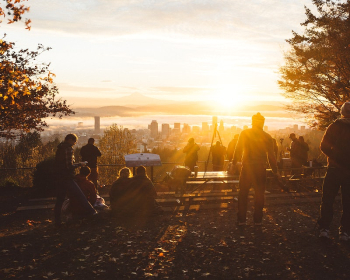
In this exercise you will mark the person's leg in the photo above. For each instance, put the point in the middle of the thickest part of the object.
(61, 189)
(259, 189)
(330, 189)
(244, 186)
(345, 218)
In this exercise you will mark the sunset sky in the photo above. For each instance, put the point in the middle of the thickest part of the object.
(181, 50)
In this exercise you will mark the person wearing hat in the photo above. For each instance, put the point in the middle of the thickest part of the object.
(191, 150)
(255, 150)
(335, 145)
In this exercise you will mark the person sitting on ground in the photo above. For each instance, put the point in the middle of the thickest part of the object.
(86, 186)
(143, 194)
(118, 193)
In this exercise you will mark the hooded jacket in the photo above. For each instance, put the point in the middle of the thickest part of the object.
(336, 137)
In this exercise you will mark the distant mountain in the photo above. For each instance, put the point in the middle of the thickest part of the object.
(138, 99)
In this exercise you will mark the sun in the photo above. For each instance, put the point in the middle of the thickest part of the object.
(230, 98)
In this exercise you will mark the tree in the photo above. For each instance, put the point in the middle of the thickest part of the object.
(316, 74)
(114, 145)
(27, 91)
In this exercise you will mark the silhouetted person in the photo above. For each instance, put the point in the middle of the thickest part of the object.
(218, 153)
(142, 194)
(231, 147)
(118, 194)
(303, 151)
(65, 172)
(256, 146)
(191, 150)
(86, 186)
(294, 151)
(90, 153)
(335, 145)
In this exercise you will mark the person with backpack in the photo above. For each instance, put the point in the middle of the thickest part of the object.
(335, 145)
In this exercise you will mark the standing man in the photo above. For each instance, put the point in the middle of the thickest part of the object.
(218, 153)
(294, 151)
(335, 145)
(256, 147)
(90, 153)
(191, 150)
(303, 151)
(65, 172)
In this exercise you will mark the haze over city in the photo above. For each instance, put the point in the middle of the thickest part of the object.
(226, 53)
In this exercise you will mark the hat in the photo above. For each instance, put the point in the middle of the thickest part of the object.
(258, 117)
(345, 110)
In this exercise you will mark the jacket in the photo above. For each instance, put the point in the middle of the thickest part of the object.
(89, 153)
(64, 160)
(336, 137)
(255, 146)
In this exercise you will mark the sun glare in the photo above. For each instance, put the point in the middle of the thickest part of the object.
(230, 99)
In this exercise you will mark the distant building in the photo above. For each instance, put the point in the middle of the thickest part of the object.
(153, 127)
(195, 129)
(97, 125)
(186, 128)
(221, 127)
(295, 128)
(205, 126)
(165, 129)
(214, 121)
(177, 126)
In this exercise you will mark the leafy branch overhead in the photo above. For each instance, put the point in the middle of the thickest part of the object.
(27, 90)
(316, 74)
(15, 10)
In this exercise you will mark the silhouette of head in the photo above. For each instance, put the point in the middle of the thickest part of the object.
(191, 140)
(91, 141)
(218, 143)
(345, 110)
(71, 138)
(301, 138)
(124, 172)
(85, 171)
(141, 170)
(236, 136)
(258, 120)
(292, 136)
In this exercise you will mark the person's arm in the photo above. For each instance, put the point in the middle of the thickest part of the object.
(69, 154)
(98, 152)
(271, 155)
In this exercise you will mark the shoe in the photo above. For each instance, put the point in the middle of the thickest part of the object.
(324, 233)
(343, 236)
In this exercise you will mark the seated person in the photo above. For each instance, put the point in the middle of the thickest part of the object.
(86, 186)
(118, 193)
(143, 194)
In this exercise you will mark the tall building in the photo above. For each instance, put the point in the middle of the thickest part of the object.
(214, 121)
(221, 127)
(165, 129)
(97, 125)
(295, 128)
(153, 127)
(186, 128)
(177, 126)
(205, 127)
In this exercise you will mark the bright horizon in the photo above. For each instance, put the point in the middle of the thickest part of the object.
(224, 52)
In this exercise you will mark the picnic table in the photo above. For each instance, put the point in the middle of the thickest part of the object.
(201, 179)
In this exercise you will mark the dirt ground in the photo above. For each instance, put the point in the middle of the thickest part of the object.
(193, 245)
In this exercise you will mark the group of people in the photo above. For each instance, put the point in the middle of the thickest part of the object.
(298, 151)
(217, 151)
(77, 195)
(254, 148)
